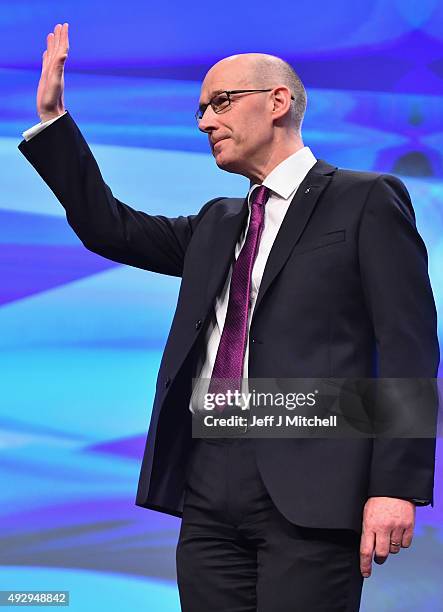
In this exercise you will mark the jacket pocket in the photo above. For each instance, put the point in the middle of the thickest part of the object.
(322, 241)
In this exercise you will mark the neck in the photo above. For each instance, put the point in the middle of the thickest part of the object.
(276, 155)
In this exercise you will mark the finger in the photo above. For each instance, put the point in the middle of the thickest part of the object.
(50, 43)
(395, 540)
(382, 546)
(407, 537)
(65, 37)
(367, 543)
(57, 31)
(44, 59)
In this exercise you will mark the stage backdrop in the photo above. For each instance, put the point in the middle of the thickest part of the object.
(81, 337)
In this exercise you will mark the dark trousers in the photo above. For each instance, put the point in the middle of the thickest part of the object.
(237, 553)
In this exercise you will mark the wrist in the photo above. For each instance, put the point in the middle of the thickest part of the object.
(49, 116)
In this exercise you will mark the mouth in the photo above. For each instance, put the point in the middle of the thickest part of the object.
(218, 142)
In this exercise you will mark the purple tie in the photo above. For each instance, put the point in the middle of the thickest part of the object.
(231, 350)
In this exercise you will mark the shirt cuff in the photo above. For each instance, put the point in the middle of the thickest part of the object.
(39, 127)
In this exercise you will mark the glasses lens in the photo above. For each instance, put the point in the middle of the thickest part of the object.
(220, 102)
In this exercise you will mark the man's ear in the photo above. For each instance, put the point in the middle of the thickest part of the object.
(282, 100)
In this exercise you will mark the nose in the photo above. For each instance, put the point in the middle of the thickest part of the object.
(209, 120)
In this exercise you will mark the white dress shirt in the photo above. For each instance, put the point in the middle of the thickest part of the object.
(283, 183)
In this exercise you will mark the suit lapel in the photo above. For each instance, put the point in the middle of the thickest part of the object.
(296, 218)
(223, 249)
(230, 226)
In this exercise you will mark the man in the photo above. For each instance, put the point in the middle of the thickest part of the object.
(319, 272)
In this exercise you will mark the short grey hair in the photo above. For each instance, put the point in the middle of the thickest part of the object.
(269, 71)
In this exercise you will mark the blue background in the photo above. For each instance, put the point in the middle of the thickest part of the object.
(81, 337)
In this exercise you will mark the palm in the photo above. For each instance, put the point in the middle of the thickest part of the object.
(50, 89)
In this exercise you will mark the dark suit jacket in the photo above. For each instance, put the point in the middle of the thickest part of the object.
(345, 293)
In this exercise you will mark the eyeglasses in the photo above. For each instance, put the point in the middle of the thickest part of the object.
(222, 101)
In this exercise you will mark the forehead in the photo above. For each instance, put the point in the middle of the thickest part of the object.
(221, 77)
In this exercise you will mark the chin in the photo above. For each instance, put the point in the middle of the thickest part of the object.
(224, 163)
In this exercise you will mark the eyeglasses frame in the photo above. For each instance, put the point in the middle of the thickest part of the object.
(228, 93)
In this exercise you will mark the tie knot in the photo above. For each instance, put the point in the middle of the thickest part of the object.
(260, 196)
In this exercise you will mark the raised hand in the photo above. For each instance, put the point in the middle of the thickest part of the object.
(50, 102)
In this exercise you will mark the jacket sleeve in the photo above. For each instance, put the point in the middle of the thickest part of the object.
(394, 272)
(104, 224)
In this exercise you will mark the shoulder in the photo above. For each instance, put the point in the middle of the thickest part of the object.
(366, 178)
(373, 190)
(221, 206)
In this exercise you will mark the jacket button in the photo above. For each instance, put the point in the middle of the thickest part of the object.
(167, 382)
(198, 324)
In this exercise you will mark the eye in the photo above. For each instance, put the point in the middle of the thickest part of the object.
(220, 102)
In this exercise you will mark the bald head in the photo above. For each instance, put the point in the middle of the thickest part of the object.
(263, 71)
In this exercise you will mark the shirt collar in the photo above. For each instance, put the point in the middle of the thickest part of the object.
(284, 179)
